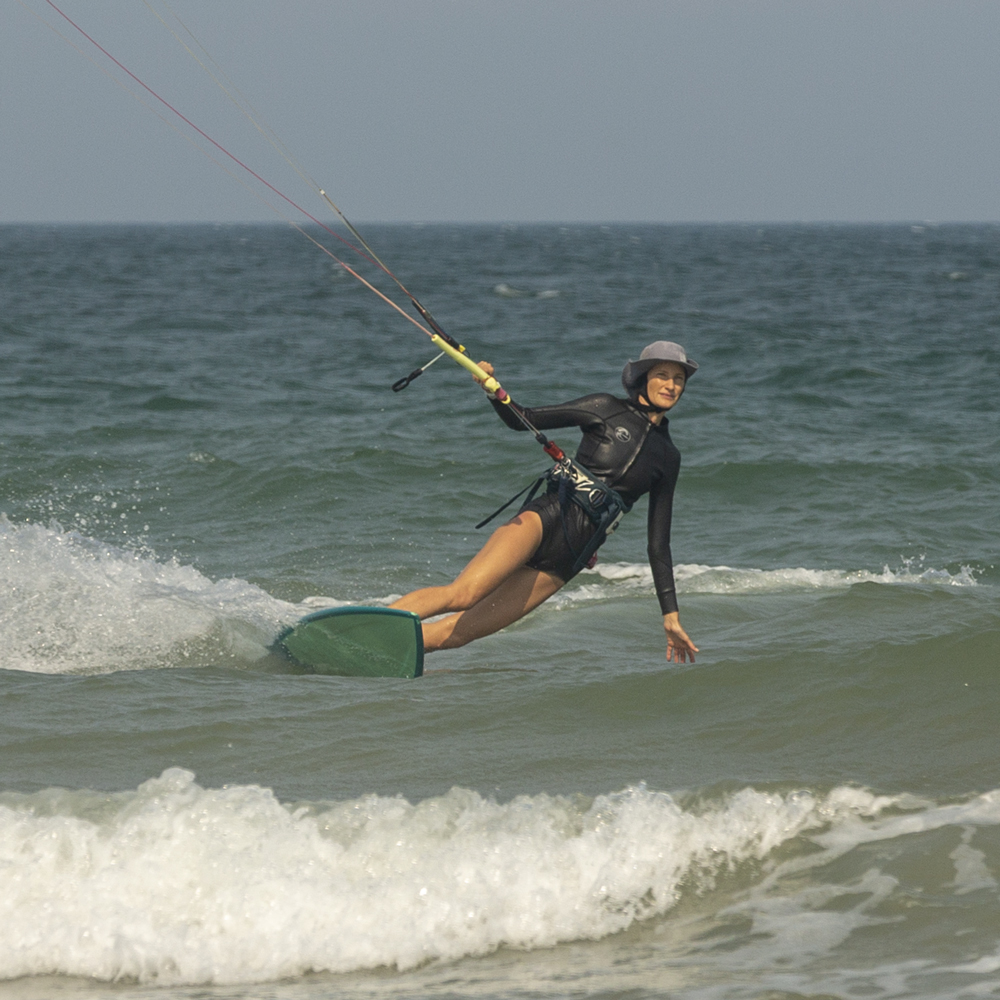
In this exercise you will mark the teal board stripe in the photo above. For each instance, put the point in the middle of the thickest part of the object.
(357, 642)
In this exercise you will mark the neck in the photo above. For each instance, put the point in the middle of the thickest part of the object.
(655, 415)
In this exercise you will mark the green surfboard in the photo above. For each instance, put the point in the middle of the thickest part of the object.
(357, 642)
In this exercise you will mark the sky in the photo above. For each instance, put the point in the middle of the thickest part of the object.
(510, 110)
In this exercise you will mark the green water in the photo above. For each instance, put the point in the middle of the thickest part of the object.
(199, 446)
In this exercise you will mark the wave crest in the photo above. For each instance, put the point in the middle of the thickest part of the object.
(615, 579)
(76, 605)
(174, 883)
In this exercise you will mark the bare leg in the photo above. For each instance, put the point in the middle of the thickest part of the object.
(506, 551)
(520, 593)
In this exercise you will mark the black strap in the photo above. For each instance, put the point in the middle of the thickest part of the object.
(400, 384)
(611, 511)
(596, 540)
(531, 486)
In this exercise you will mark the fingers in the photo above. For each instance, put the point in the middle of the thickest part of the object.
(486, 367)
(679, 655)
(680, 648)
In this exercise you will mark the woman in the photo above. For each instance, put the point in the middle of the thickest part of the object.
(626, 446)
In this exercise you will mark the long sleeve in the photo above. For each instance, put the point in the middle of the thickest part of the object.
(576, 413)
(661, 500)
(621, 447)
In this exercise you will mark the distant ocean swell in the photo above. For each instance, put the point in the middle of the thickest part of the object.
(174, 883)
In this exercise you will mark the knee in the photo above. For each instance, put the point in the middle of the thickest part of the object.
(454, 640)
(462, 596)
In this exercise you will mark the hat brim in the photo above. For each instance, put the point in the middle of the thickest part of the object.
(634, 373)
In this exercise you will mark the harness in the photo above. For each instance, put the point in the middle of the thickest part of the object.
(572, 483)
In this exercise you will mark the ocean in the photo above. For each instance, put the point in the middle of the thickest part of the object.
(199, 445)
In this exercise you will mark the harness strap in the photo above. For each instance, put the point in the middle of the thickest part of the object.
(604, 506)
(531, 496)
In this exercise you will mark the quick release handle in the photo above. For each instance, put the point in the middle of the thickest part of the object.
(552, 449)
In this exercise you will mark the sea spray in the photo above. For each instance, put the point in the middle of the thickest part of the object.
(78, 605)
(175, 883)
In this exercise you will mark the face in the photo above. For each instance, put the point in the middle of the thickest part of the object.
(664, 384)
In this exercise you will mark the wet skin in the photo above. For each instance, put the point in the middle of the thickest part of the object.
(497, 587)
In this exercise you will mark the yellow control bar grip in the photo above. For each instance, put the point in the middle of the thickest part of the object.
(489, 383)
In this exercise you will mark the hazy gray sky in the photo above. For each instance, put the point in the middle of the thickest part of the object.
(519, 110)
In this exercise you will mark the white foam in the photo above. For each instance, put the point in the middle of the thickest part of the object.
(177, 884)
(510, 292)
(174, 883)
(971, 871)
(614, 579)
(77, 605)
(984, 965)
(727, 580)
(983, 810)
(794, 918)
(317, 602)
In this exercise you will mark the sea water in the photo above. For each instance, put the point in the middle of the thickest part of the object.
(199, 445)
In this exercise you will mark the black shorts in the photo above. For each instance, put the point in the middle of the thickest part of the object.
(555, 554)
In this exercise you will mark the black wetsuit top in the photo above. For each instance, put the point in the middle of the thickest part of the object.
(632, 455)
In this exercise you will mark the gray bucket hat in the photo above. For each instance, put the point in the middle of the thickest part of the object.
(634, 373)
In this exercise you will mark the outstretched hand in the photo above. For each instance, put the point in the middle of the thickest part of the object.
(680, 648)
(486, 367)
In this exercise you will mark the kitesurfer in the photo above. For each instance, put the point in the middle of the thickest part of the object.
(626, 447)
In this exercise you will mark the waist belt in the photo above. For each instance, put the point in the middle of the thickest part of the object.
(604, 506)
